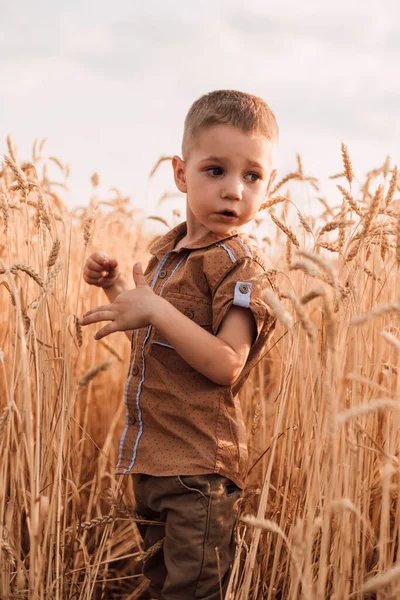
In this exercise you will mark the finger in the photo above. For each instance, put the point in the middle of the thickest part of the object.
(96, 266)
(99, 256)
(109, 328)
(94, 281)
(96, 316)
(106, 261)
(94, 274)
(105, 307)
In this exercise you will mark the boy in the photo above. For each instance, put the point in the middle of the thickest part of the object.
(198, 324)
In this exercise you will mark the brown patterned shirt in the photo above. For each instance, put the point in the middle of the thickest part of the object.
(179, 422)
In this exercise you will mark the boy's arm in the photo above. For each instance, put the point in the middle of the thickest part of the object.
(220, 358)
(115, 290)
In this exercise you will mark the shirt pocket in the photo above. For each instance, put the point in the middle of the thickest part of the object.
(198, 310)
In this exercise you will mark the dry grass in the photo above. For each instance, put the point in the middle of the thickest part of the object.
(320, 515)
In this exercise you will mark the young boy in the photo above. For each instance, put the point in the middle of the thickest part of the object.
(198, 324)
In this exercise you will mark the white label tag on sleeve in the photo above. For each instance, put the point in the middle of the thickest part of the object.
(242, 294)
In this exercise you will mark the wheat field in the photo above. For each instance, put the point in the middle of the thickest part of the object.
(320, 515)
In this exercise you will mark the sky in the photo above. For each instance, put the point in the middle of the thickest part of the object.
(109, 84)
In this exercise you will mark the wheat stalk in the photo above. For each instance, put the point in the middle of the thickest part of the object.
(337, 175)
(328, 246)
(11, 149)
(306, 225)
(330, 326)
(8, 550)
(380, 581)
(306, 267)
(5, 209)
(256, 420)
(365, 409)
(158, 163)
(273, 201)
(4, 419)
(348, 169)
(377, 311)
(111, 349)
(372, 275)
(373, 211)
(25, 269)
(150, 551)
(353, 204)
(332, 225)
(160, 219)
(311, 295)
(289, 247)
(277, 309)
(41, 214)
(304, 320)
(392, 187)
(88, 226)
(92, 373)
(391, 339)
(18, 172)
(328, 209)
(398, 239)
(285, 230)
(78, 331)
(285, 179)
(320, 262)
(369, 218)
(347, 504)
(51, 275)
(55, 249)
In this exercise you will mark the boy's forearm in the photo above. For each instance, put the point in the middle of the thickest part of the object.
(115, 290)
(206, 353)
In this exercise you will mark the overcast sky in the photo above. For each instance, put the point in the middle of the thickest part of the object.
(109, 83)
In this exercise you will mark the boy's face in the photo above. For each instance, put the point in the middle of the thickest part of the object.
(226, 170)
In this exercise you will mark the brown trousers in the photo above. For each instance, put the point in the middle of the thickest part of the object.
(199, 512)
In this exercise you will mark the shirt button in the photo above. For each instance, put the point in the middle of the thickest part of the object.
(135, 370)
(162, 274)
(132, 419)
(244, 288)
(189, 313)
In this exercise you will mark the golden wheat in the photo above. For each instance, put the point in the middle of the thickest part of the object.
(322, 417)
(287, 230)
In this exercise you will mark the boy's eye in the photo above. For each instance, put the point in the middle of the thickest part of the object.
(257, 177)
(217, 171)
(210, 169)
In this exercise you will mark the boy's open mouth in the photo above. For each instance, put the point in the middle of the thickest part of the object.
(228, 213)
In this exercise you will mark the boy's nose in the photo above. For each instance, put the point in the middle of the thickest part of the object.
(232, 188)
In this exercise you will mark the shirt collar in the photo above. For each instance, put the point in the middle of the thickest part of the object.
(168, 241)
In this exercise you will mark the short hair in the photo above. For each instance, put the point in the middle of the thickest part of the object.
(249, 113)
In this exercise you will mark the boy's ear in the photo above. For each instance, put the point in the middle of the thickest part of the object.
(179, 167)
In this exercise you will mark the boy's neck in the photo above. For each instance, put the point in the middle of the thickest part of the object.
(199, 232)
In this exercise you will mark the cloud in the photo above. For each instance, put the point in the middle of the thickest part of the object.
(110, 84)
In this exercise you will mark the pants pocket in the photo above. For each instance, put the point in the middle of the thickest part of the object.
(219, 547)
(197, 484)
(232, 488)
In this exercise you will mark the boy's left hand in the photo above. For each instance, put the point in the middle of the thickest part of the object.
(130, 310)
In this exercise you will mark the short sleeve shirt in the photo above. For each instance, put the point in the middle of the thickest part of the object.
(179, 422)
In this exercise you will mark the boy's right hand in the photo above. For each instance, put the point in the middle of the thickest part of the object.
(101, 270)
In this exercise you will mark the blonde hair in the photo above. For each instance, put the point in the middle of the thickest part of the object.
(229, 107)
